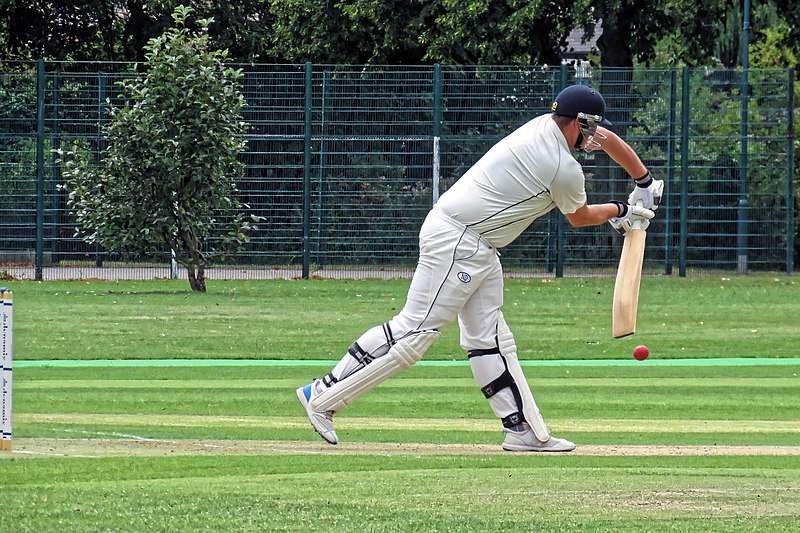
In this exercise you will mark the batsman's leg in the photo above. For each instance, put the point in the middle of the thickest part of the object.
(499, 375)
(372, 345)
(322, 398)
(508, 349)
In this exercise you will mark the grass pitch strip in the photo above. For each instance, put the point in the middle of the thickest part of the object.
(228, 448)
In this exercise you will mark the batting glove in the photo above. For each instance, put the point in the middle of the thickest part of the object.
(628, 214)
(648, 191)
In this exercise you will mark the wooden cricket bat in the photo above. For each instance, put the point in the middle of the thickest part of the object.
(626, 288)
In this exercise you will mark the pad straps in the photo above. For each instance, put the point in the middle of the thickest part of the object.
(505, 380)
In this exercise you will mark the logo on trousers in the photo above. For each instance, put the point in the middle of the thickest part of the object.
(464, 277)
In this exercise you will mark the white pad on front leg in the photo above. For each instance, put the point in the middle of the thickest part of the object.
(508, 348)
(402, 355)
(496, 383)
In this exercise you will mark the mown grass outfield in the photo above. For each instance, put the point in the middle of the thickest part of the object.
(690, 440)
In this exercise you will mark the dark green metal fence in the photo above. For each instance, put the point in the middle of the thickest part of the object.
(344, 162)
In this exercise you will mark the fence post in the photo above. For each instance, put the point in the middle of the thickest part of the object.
(40, 86)
(741, 223)
(322, 170)
(307, 176)
(790, 179)
(560, 216)
(102, 81)
(673, 97)
(437, 129)
(55, 135)
(684, 228)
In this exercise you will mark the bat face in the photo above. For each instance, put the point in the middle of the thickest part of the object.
(626, 288)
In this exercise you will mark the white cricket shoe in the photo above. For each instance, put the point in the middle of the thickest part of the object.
(526, 441)
(321, 421)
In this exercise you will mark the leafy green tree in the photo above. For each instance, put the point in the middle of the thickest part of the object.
(350, 31)
(118, 30)
(657, 33)
(423, 31)
(165, 180)
(242, 27)
(789, 11)
(486, 32)
(660, 32)
(57, 29)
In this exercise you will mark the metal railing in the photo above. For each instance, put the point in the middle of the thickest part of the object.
(343, 163)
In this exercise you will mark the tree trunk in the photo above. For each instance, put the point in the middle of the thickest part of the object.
(193, 259)
(201, 279)
(197, 278)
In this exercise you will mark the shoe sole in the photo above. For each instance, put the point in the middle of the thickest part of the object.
(552, 449)
(301, 396)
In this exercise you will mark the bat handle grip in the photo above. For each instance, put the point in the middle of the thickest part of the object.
(637, 224)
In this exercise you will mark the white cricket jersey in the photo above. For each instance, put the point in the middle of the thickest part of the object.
(521, 178)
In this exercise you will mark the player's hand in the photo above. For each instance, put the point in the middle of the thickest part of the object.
(648, 191)
(630, 214)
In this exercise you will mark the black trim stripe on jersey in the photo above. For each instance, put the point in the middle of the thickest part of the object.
(545, 191)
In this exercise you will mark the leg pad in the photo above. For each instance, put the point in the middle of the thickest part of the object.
(405, 353)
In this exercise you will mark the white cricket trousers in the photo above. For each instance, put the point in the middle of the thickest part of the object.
(458, 276)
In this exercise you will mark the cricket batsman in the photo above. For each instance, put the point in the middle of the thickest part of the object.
(459, 275)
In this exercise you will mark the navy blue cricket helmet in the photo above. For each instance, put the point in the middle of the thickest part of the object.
(578, 100)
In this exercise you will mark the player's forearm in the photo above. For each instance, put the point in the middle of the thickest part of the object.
(593, 215)
(622, 153)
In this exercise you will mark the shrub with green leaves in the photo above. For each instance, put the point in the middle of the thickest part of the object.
(166, 177)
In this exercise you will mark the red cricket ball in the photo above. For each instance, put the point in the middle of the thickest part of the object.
(641, 352)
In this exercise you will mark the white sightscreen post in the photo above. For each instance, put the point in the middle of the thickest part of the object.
(438, 82)
(6, 363)
(173, 267)
(435, 169)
